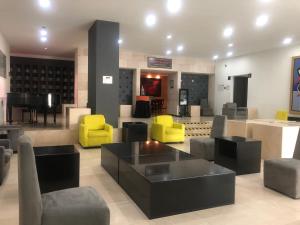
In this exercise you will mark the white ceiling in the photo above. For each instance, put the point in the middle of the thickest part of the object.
(199, 25)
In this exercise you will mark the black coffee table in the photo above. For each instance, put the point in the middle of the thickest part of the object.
(240, 154)
(164, 181)
(57, 167)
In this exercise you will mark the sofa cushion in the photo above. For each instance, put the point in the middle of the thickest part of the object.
(94, 122)
(97, 133)
(7, 157)
(75, 206)
(173, 131)
(164, 120)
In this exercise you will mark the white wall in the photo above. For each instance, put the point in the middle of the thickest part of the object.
(269, 87)
(4, 82)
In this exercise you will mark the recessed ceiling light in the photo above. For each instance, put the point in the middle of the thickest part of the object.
(150, 20)
(44, 39)
(228, 32)
(230, 45)
(43, 31)
(287, 41)
(262, 20)
(215, 57)
(265, 1)
(45, 48)
(44, 4)
(168, 52)
(120, 41)
(180, 48)
(169, 36)
(229, 54)
(174, 6)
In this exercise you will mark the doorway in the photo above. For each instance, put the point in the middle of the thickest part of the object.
(240, 91)
(156, 85)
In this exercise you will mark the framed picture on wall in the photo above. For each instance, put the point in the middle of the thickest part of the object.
(295, 86)
(2, 64)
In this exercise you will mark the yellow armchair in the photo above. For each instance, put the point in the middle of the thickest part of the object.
(163, 129)
(94, 132)
(282, 115)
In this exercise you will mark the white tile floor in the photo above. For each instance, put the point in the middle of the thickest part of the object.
(254, 205)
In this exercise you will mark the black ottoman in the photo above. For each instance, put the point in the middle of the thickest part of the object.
(57, 167)
(134, 131)
(243, 155)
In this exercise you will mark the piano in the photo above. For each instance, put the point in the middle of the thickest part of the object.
(34, 104)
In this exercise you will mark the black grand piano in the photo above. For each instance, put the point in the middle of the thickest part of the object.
(34, 104)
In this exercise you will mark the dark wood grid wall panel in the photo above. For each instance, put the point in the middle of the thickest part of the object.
(125, 86)
(197, 84)
(43, 76)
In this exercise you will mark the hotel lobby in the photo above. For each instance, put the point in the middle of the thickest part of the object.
(162, 112)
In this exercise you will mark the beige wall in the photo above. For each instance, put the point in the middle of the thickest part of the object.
(4, 82)
(269, 87)
(138, 62)
(81, 77)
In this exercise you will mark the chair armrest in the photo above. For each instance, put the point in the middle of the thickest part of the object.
(2, 158)
(179, 126)
(109, 128)
(5, 143)
(83, 130)
(157, 130)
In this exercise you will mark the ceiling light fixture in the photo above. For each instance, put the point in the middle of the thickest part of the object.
(215, 57)
(150, 20)
(229, 54)
(228, 32)
(262, 20)
(120, 41)
(44, 39)
(230, 45)
(287, 41)
(45, 48)
(174, 6)
(169, 36)
(168, 52)
(43, 31)
(265, 1)
(180, 48)
(45, 4)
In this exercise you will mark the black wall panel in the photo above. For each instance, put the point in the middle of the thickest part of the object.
(125, 86)
(197, 84)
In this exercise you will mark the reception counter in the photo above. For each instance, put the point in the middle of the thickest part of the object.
(278, 137)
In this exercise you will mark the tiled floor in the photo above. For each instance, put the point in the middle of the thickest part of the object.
(254, 205)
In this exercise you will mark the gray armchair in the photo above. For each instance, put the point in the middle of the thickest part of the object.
(5, 156)
(204, 148)
(76, 206)
(233, 112)
(283, 175)
(205, 109)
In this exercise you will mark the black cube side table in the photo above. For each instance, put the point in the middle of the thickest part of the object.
(243, 155)
(57, 167)
(134, 131)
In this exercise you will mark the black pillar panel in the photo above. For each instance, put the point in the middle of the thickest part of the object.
(104, 61)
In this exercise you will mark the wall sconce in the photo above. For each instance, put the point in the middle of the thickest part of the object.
(157, 77)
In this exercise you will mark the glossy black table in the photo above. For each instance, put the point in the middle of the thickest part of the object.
(57, 167)
(134, 131)
(242, 155)
(164, 181)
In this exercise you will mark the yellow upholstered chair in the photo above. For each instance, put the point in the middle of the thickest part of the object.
(282, 115)
(163, 129)
(93, 131)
